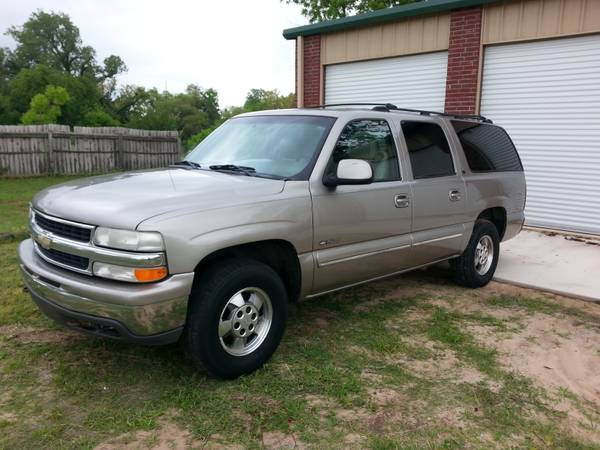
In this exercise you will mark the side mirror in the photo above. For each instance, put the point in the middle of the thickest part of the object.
(350, 171)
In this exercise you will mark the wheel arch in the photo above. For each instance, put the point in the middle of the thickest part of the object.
(279, 254)
(496, 215)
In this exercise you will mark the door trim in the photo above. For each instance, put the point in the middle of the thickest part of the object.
(361, 255)
(318, 294)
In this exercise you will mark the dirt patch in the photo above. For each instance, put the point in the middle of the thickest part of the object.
(167, 436)
(278, 440)
(384, 396)
(444, 365)
(30, 335)
(557, 352)
(353, 439)
(8, 417)
(577, 423)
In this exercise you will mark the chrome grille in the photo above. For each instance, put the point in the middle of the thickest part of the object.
(63, 229)
(69, 245)
(66, 259)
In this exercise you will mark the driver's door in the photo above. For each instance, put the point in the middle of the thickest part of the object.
(362, 231)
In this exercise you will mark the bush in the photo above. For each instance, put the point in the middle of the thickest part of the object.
(194, 140)
(99, 118)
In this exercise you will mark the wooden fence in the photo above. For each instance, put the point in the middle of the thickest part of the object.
(30, 150)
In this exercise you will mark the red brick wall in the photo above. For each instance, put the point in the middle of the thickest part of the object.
(312, 70)
(463, 61)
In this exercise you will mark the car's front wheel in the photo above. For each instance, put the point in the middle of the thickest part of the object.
(476, 266)
(236, 319)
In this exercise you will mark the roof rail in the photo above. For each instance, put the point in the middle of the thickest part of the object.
(389, 107)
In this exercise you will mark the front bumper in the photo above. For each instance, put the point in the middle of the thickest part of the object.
(151, 313)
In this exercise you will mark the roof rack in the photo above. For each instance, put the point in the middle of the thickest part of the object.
(389, 107)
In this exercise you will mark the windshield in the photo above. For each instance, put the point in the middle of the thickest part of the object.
(277, 146)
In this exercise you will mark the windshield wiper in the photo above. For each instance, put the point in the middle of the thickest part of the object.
(186, 163)
(250, 171)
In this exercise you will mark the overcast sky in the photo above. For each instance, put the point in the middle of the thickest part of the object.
(229, 45)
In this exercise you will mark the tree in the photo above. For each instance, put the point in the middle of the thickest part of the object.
(320, 10)
(99, 118)
(261, 99)
(189, 112)
(53, 40)
(83, 91)
(256, 100)
(46, 107)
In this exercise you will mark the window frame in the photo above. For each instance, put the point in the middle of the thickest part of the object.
(394, 140)
(449, 141)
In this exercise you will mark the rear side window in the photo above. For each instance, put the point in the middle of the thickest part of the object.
(428, 149)
(488, 148)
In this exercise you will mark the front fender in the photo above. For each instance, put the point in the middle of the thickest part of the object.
(189, 238)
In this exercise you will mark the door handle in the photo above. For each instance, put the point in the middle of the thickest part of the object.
(454, 195)
(401, 201)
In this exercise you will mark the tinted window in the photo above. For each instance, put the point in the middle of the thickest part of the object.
(372, 141)
(428, 149)
(487, 147)
(281, 146)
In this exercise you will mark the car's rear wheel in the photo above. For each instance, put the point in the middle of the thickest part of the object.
(236, 319)
(476, 266)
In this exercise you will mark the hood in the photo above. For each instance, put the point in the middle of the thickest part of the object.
(124, 200)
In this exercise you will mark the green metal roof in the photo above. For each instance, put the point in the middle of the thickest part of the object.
(382, 15)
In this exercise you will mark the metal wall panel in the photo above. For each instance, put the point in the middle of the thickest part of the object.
(534, 19)
(416, 81)
(411, 36)
(547, 96)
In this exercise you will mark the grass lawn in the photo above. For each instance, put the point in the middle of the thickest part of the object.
(409, 362)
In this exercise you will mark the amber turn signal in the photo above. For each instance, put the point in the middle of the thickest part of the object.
(147, 275)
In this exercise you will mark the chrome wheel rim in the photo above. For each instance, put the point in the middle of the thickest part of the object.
(484, 255)
(245, 321)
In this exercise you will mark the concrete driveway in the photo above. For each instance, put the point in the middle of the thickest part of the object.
(552, 262)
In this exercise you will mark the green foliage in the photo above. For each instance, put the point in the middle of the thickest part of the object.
(84, 93)
(194, 140)
(261, 99)
(256, 100)
(99, 118)
(46, 107)
(189, 112)
(49, 54)
(53, 40)
(320, 10)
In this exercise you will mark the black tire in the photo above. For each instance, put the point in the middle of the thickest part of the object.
(215, 288)
(465, 273)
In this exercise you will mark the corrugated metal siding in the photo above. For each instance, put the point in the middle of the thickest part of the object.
(547, 96)
(533, 19)
(407, 37)
(416, 81)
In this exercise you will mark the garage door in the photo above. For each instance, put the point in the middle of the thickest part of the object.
(547, 95)
(416, 81)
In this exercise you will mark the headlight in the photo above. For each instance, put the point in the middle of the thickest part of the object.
(133, 274)
(137, 241)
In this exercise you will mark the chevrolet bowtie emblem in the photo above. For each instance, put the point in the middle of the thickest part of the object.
(44, 241)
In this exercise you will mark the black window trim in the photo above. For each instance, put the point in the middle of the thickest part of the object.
(396, 146)
(452, 155)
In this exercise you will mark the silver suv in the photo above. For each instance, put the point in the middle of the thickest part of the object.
(271, 208)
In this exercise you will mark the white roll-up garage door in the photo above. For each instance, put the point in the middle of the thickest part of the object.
(547, 96)
(415, 81)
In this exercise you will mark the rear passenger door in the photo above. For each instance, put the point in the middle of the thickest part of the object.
(438, 192)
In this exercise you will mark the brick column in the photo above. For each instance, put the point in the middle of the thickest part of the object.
(463, 61)
(312, 70)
